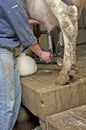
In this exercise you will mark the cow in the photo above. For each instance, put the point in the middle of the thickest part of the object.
(65, 14)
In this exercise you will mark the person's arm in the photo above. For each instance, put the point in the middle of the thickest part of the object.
(17, 17)
(45, 56)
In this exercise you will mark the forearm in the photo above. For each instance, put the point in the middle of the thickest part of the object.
(45, 56)
(36, 49)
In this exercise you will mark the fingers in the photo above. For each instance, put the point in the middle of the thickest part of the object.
(46, 56)
(49, 59)
(33, 21)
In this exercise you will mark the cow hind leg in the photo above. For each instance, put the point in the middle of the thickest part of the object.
(68, 20)
(69, 27)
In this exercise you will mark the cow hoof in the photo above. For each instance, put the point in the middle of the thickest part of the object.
(62, 79)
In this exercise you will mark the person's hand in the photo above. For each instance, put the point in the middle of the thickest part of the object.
(43, 55)
(46, 56)
(33, 21)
